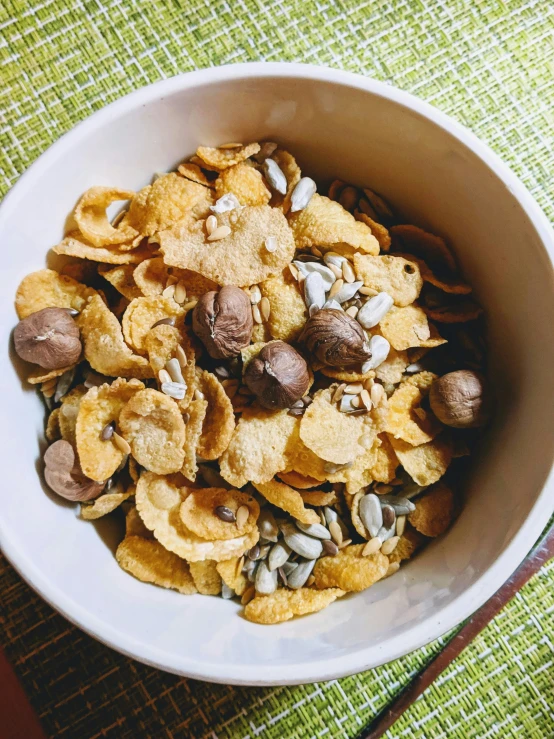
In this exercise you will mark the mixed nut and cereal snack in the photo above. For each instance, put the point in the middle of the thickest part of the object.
(274, 386)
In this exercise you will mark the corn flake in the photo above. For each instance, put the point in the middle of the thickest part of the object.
(161, 344)
(121, 277)
(92, 220)
(219, 422)
(282, 605)
(150, 562)
(426, 463)
(245, 182)
(432, 249)
(296, 480)
(392, 369)
(153, 425)
(48, 289)
(434, 511)
(287, 499)
(408, 544)
(447, 284)
(206, 577)
(405, 327)
(152, 277)
(134, 525)
(391, 274)
(230, 571)
(349, 570)
(75, 245)
(52, 431)
(103, 505)
(142, 314)
(386, 461)
(457, 313)
(194, 173)
(196, 412)
(318, 497)
(38, 375)
(407, 420)
(288, 309)
(69, 409)
(199, 516)
(377, 229)
(219, 159)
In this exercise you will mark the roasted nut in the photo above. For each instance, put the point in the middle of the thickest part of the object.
(336, 339)
(64, 475)
(223, 321)
(49, 338)
(278, 375)
(460, 399)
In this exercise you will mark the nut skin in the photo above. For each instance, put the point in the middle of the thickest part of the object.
(460, 399)
(223, 321)
(49, 338)
(64, 476)
(335, 338)
(278, 376)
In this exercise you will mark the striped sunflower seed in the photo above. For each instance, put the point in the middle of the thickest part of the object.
(401, 505)
(226, 592)
(302, 194)
(314, 529)
(275, 176)
(289, 567)
(266, 581)
(302, 544)
(278, 555)
(300, 575)
(63, 384)
(332, 305)
(371, 513)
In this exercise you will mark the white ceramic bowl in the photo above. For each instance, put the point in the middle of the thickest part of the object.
(439, 174)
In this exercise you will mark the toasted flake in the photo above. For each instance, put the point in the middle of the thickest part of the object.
(456, 313)
(53, 432)
(105, 348)
(296, 480)
(92, 220)
(194, 173)
(325, 223)
(134, 525)
(405, 327)
(377, 229)
(100, 406)
(219, 422)
(432, 249)
(104, 504)
(149, 561)
(220, 159)
(38, 375)
(196, 412)
(206, 577)
(199, 516)
(68, 413)
(282, 605)
(404, 422)
(142, 314)
(230, 571)
(288, 500)
(347, 375)
(350, 570)
(288, 312)
(48, 289)
(392, 369)
(410, 541)
(152, 277)
(153, 425)
(245, 182)
(391, 274)
(426, 463)
(75, 245)
(162, 344)
(386, 461)
(318, 497)
(121, 277)
(434, 511)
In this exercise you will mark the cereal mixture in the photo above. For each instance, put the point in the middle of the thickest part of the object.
(275, 387)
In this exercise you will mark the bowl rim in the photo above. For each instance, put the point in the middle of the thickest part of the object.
(446, 617)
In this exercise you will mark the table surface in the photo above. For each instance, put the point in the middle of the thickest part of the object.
(488, 64)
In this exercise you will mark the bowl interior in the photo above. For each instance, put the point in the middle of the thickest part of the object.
(358, 135)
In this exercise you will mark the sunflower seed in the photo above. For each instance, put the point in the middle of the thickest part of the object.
(169, 291)
(345, 543)
(349, 198)
(385, 533)
(411, 369)
(93, 379)
(174, 390)
(275, 176)
(400, 525)
(347, 291)
(314, 529)
(271, 244)
(247, 596)
(316, 252)
(267, 525)
(332, 258)
(226, 592)
(348, 272)
(221, 232)
(336, 533)
(390, 545)
(302, 194)
(255, 295)
(225, 514)
(266, 150)
(242, 515)
(72, 311)
(376, 394)
(264, 551)
(164, 376)
(366, 440)
(222, 372)
(356, 402)
(368, 291)
(346, 403)
(249, 569)
(231, 145)
(314, 290)
(332, 305)
(383, 489)
(300, 543)
(254, 553)
(305, 268)
(265, 308)
(225, 203)
(379, 348)
(266, 581)
(256, 315)
(165, 322)
(336, 271)
(389, 516)
(173, 366)
(298, 578)
(352, 311)
(331, 515)
(374, 310)
(107, 431)
(372, 546)
(354, 388)
(401, 505)
(412, 490)
(289, 567)
(63, 384)
(121, 443)
(339, 392)
(371, 513)
(382, 209)
(278, 555)
(366, 399)
(211, 224)
(283, 576)
(330, 548)
(335, 288)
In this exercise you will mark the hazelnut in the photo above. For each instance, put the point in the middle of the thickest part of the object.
(223, 321)
(460, 399)
(278, 375)
(64, 475)
(335, 338)
(49, 338)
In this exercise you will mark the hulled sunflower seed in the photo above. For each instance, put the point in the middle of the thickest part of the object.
(278, 555)
(271, 244)
(225, 203)
(298, 578)
(366, 399)
(293, 270)
(211, 224)
(316, 252)
(221, 232)
(335, 288)
(107, 431)
(225, 514)
(372, 546)
(121, 443)
(302, 194)
(336, 533)
(243, 512)
(400, 525)
(330, 548)
(169, 291)
(164, 376)
(332, 515)
(345, 543)
(314, 290)
(336, 271)
(379, 348)
(347, 291)
(348, 272)
(175, 390)
(352, 311)
(390, 545)
(314, 529)
(199, 395)
(255, 294)
(265, 308)
(305, 268)
(371, 513)
(369, 291)
(354, 388)
(247, 596)
(339, 392)
(256, 315)
(173, 366)
(302, 544)
(275, 176)
(376, 393)
(226, 592)
(267, 525)
(374, 310)
(266, 581)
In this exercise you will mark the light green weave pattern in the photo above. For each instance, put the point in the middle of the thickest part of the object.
(490, 65)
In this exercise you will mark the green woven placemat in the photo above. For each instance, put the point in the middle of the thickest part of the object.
(488, 64)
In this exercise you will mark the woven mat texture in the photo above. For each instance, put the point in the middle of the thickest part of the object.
(487, 63)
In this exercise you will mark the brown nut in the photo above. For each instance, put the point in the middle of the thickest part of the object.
(335, 338)
(460, 399)
(278, 375)
(63, 474)
(223, 321)
(49, 338)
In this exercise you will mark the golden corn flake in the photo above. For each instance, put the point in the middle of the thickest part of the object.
(195, 414)
(161, 344)
(159, 500)
(194, 173)
(105, 348)
(434, 511)
(206, 577)
(288, 309)
(245, 182)
(149, 561)
(407, 420)
(261, 333)
(219, 422)
(92, 220)
(69, 410)
(296, 480)
(53, 432)
(75, 245)
(392, 369)
(103, 505)
(48, 289)
(456, 313)
(152, 277)
(394, 275)
(318, 497)
(99, 407)
(377, 229)
(134, 469)
(291, 170)
(386, 461)
(432, 249)
(287, 499)
(426, 463)
(358, 474)
(405, 327)
(306, 463)
(230, 571)
(82, 270)
(153, 425)
(435, 339)
(325, 223)
(282, 605)
(121, 277)
(186, 246)
(332, 435)
(355, 514)
(220, 159)
(166, 202)
(198, 513)
(262, 445)
(421, 380)
(349, 570)
(142, 314)
(408, 544)
(452, 285)
(38, 375)
(134, 525)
